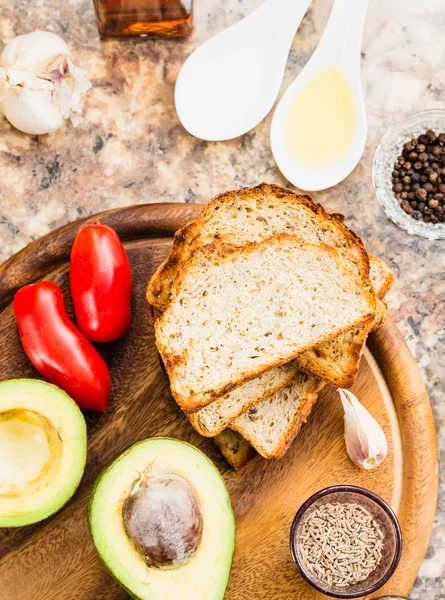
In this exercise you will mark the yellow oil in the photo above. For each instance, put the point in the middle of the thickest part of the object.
(321, 124)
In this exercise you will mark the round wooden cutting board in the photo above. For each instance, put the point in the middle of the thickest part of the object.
(56, 560)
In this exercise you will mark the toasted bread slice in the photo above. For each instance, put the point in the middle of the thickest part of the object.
(255, 214)
(235, 449)
(272, 425)
(215, 417)
(236, 312)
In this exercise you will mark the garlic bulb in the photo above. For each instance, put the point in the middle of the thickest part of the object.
(39, 84)
(365, 441)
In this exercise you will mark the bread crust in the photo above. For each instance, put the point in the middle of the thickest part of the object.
(219, 251)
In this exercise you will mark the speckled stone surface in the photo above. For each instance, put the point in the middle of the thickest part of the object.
(131, 149)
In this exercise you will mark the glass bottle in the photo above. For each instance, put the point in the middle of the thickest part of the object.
(168, 18)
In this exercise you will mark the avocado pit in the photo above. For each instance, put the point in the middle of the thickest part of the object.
(30, 451)
(163, 519)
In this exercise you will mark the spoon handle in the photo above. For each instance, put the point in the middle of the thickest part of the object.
(345, 24)
(282, 18)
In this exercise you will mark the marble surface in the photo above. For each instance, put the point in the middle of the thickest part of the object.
(131, 149)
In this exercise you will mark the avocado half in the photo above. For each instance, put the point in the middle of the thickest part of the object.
(205, 574)
(42, 450)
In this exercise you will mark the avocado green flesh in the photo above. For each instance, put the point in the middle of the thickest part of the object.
(206, 575)
(42, 450)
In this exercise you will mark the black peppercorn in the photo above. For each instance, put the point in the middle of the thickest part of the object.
(430, 135)
(433, 176)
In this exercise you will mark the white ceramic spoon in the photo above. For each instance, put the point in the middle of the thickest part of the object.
(229, 84)
(339, 48)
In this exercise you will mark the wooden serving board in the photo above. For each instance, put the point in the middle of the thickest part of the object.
(55, 559)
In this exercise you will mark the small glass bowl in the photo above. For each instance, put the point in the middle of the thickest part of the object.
(389, 149)
(382, 513)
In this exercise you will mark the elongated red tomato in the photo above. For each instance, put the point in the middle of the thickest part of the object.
(100, 278)
(57, 349)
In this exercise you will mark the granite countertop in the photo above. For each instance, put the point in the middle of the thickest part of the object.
(131, 149)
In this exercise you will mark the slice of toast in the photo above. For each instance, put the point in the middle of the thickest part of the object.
(215, 417)
(237, 217)
(236, 312)
(272, 425)
(255, 214)
(235, 449)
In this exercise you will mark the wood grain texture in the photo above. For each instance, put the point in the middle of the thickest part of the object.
(55, 559)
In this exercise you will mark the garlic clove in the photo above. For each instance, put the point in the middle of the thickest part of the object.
(365, 441)
(32, 49)
(31, 111)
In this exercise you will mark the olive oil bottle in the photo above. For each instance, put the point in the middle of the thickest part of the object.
(167, 18)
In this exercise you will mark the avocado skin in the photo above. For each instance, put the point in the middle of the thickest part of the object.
(105, 470)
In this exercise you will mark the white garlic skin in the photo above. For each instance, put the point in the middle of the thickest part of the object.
(39, 85)
(365, 441)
